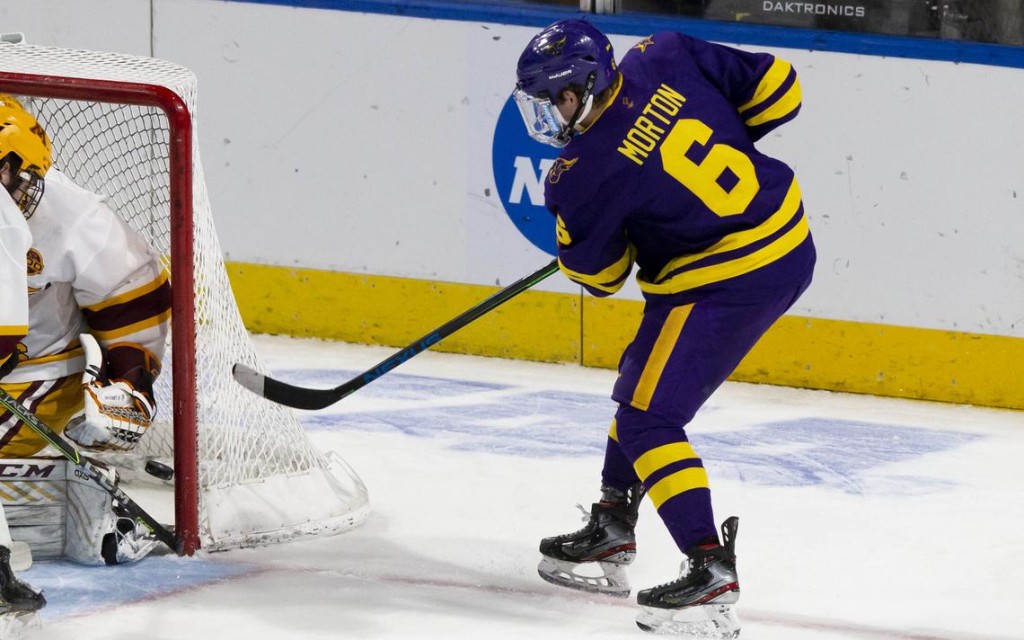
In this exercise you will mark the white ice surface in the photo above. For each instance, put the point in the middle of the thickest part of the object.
(860, 517)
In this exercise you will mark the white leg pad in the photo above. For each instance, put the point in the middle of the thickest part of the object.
(89, 519)
(56, 513)
(33, 492)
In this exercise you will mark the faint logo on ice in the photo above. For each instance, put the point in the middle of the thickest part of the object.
(851, 456)
(846, 455)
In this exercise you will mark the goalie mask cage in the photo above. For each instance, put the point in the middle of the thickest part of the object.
(245, 471)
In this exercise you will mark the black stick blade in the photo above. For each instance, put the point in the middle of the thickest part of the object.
(284, 393)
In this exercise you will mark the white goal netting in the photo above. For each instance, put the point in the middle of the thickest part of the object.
(259, 478)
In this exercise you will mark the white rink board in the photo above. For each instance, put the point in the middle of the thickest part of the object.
(362, 143)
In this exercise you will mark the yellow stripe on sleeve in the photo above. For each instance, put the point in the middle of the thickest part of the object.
(772, 80)
(137, 292)
(609, 279)
(141, 325)
(782, 107)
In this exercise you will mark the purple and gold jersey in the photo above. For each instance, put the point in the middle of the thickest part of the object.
(668, 176)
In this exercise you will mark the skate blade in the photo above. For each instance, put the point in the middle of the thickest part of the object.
(15, 624)
(593, 577)
(712, 621)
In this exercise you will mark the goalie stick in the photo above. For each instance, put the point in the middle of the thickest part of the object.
(305, 398)
(86, 470)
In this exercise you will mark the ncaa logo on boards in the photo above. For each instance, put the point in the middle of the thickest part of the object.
(520, 165)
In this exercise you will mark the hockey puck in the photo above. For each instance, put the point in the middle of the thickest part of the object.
(160, 470)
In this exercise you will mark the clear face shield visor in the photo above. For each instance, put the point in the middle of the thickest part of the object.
(543, 121)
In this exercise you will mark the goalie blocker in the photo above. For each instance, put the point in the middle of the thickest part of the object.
(58, 514)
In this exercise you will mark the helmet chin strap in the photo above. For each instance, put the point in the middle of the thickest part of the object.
(582, 110)
(583, 113)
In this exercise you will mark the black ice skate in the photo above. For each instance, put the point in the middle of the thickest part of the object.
(15, 595)
(699, 604)
(593, 558)
(19, 603)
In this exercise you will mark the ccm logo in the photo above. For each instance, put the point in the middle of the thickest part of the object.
(26, 470)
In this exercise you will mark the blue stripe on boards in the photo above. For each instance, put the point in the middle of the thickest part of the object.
(642, 24)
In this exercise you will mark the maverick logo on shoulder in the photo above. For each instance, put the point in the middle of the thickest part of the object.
(520, 165)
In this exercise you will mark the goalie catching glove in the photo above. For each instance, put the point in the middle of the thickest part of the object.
(116, 413)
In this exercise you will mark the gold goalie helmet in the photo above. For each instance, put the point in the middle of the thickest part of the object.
(25, 155)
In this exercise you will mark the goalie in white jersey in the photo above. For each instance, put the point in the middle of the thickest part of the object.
(87, 275)
(16, 598)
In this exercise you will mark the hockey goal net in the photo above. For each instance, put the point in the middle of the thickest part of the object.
(245, 471)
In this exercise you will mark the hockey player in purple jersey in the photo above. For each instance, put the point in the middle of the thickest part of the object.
(659, 170)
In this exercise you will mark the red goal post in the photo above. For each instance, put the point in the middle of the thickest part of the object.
(137, 115)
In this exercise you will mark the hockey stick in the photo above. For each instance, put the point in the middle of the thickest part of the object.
(305, 398)
(86, 469)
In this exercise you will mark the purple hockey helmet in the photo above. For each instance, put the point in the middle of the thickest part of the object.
(566, 53)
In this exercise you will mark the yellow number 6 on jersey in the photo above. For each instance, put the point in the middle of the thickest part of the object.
(703, 178)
